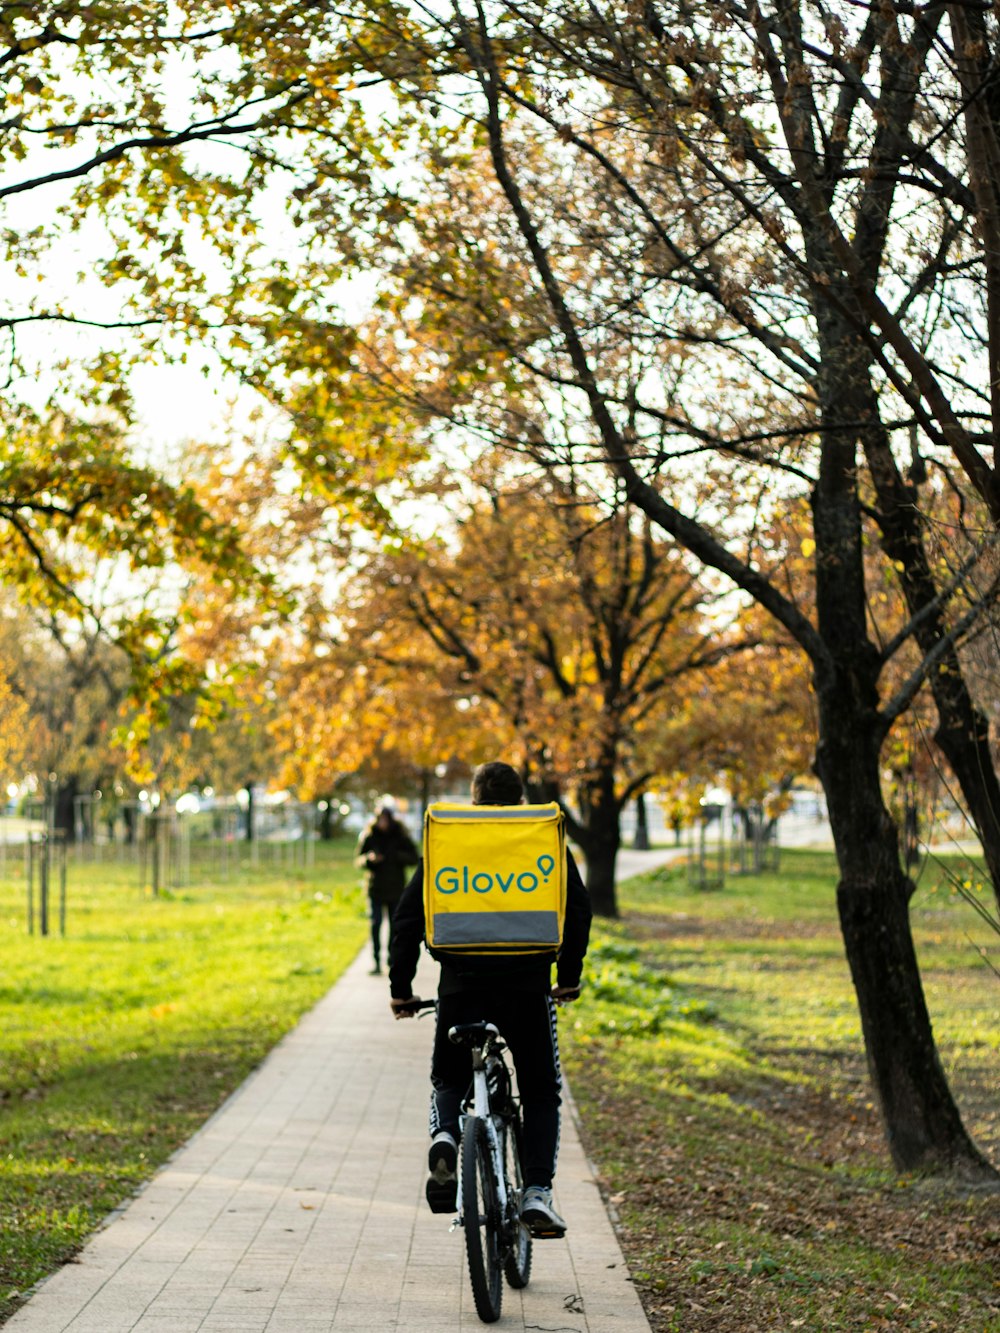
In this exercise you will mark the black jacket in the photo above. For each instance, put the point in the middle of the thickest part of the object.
(387, 877)
(518, 972)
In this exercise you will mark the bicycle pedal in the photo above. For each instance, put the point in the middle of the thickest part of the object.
(440, 1195)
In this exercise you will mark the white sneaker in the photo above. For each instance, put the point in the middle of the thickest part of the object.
(538, 1215)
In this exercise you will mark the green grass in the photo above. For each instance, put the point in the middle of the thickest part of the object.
(117, 1041)
(717, 1062)
(716, 1059)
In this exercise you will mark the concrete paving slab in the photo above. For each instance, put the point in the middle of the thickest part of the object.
(299, 1208)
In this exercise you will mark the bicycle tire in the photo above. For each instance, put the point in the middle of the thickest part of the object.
(481, 1220)
(517, 1263)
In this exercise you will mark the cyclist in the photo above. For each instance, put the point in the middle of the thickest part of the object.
(515, 993)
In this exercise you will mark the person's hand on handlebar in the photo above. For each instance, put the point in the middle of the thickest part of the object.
(565, 994)
(405, 1008)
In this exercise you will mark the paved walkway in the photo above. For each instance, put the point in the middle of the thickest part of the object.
(299, 1208)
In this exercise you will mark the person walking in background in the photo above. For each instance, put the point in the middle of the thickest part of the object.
(385, 850)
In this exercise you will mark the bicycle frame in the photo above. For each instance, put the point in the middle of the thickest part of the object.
(482, 1057)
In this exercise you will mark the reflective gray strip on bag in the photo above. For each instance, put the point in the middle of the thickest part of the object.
(484, 813)
(468, 928)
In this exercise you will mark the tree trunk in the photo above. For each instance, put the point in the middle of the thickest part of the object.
(923, 1128)
(326, 827)
(599, 834)
(922, 1124)
(426, 790)
(249, 831)
(962, 734)
(751, 818)
(640, 842)
(602, 855)
(64, 807)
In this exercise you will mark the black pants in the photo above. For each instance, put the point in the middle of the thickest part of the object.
(377, 909)
(527, 1022)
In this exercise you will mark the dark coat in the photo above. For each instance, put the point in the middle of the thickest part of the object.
(386, 854)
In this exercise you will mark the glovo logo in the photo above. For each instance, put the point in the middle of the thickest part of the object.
(455, 879)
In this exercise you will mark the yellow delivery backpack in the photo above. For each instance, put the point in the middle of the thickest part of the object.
(494, 878)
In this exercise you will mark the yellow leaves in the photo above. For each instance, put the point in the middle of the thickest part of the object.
(500, 634)
(808, 547)
(13, 724)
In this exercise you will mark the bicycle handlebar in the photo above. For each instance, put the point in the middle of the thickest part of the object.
(413, 1006)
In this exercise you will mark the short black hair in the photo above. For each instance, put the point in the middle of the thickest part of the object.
(497, 784)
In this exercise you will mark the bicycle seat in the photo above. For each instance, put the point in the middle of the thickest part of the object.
(472, 1034)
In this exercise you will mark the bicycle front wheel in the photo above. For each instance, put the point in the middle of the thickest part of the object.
(481, 1217)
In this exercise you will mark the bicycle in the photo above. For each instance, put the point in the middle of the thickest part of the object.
(490, 1183)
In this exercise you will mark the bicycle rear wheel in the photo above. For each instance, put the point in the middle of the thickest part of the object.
(517, 1262)
(481, 1218)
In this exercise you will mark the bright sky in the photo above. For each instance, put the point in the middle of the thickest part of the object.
(176, 401)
